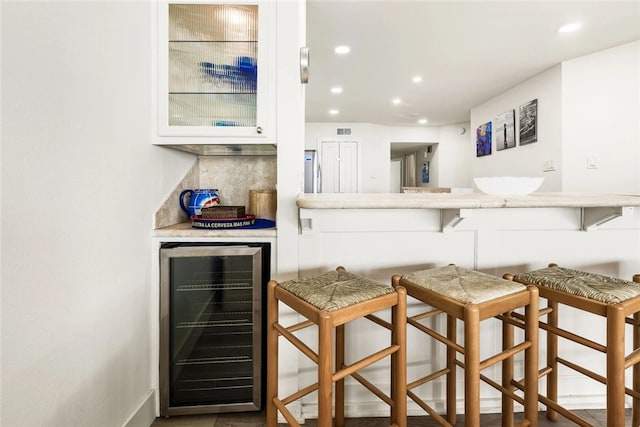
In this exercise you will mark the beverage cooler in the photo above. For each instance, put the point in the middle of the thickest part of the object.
(212, 311)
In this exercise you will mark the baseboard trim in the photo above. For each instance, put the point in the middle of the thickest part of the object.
(145, 414)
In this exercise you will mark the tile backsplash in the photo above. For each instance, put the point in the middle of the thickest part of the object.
(233, 176)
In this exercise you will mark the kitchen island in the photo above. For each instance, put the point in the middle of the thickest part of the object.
(378, 235)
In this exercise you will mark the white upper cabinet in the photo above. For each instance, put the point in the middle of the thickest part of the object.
(214, 82)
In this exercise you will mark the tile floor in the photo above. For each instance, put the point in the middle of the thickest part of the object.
(256, 419)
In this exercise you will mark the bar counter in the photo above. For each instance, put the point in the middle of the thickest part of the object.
(594, 209)
(462, 200)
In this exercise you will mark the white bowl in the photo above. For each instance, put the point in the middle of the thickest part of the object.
(508, 185)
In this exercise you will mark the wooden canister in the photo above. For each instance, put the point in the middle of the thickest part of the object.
(263, 203)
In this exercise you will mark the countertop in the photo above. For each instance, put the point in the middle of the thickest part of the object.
(463, 200)
(185, 230)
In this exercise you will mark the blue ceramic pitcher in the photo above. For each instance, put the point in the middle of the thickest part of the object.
(198, 199)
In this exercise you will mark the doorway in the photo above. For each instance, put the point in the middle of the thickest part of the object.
(408, 160)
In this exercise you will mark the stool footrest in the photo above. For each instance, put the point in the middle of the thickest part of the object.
(573, 337)
(632, 393)
(564, 412)
(427, 314)
(512, 319)
(498, 357)
(285, 412)
(381, 322)
(372, 388)
(299, 326)
(428, 409)
(428, 378)
(296, 342)
(363, 363)
(300, 393)
(583, 371)
(433, 334)
(504, 355)
(544, 371)
(632, 358)
(507, 391)
(631, 321)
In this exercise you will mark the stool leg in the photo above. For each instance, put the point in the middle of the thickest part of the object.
(531, 359)
(507, 373)
(339, 390)
(552, 357)
(615, 365)
(272, 356)
(451, 366)
(399, 360)
(636, 372)
(472, 366)
(325, 371)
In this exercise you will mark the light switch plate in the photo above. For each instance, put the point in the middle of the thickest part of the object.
(592, 163)
(549, 166)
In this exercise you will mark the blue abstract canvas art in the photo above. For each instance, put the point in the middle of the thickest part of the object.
(483, 140)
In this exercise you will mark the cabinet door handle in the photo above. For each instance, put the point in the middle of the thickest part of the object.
(304, 65)
(259, 130)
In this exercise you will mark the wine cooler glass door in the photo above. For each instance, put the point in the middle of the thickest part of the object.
(210, 329)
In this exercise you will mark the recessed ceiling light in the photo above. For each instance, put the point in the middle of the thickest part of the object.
(423, 121)
(396, 101)
(333, 112)
(341, 50)
(416, 79)
(336, 89)
(568, 28)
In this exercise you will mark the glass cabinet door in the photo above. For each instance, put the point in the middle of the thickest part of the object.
(211, 71)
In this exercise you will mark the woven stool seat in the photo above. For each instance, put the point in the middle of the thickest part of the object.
(462, 285)
(609, 290)
(336, 289)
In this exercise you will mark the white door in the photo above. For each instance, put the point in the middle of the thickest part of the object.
(339, 166)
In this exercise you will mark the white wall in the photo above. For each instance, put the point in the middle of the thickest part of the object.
(588, 107)
(526, 160)
(80, 185)
(453, 157)
(450, 161)
(601, 120)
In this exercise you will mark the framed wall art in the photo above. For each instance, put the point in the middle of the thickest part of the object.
(505, 130)
(483, 140)
(425, 172)
(529, 122)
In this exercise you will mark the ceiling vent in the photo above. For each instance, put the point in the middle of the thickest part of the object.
(344, 131)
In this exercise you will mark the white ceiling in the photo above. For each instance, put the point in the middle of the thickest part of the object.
(467, 52)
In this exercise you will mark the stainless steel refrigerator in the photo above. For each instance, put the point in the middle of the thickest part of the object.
(312, 181)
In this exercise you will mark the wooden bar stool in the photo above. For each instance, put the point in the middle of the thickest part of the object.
(471, 297)
(618, 301)
(330, 301)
